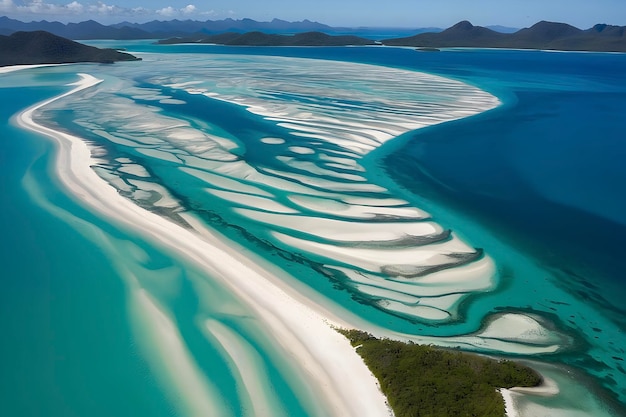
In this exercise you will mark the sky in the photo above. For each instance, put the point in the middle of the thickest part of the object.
(344, 13)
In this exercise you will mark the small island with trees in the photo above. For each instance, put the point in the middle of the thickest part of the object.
(425, 381)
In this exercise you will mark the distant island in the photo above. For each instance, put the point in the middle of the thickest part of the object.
(265, 39)
(39, 47)
(156, 29)
(543, 35)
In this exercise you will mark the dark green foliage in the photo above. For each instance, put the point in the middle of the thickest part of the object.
(423, 381)
(271, 39)
(45, 48)
(542, 35)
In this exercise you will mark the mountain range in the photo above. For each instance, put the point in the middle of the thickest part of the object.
(543, 35)
(157, 29)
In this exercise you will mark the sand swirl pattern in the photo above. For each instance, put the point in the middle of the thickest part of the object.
(293, 176)
(284, 232)
(313, 196)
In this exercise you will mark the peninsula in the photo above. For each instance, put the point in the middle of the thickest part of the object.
(40, 47)
(420, 380)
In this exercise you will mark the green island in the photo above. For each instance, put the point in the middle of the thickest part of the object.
(424, 381)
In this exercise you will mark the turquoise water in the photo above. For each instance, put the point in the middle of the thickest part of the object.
(72, 320)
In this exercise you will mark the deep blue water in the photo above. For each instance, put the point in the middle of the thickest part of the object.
(548, 171)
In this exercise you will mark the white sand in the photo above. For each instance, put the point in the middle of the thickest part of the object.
(248, 365)
(345, 231)
(301, 150)
(329, 185)
(192, 391)
(355, 211)
(166, 200)
(518, 327)
(509, 405)
(134, 169)
(226, 183)
(338, 377)
(13, 68)
(273, 141)
(313, 168)
(259, 203)
(374, 260)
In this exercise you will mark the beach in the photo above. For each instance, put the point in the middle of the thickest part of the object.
(328, 207)
(325, 356)
(303, 329)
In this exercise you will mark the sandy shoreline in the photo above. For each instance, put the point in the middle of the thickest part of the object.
(299, 324)
(13, 68)
(325, 357)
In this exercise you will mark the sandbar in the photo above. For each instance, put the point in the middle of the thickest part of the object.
(337, 375)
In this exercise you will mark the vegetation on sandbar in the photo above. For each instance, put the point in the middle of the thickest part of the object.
(424, 381)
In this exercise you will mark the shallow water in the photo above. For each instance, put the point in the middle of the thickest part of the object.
(264, 157)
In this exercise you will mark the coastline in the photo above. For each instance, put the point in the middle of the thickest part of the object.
(325, 356)
(12, 68)
(301, 326)
(78, 178)
(509, 404)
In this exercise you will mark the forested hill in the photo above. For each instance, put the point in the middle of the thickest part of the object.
(267, 39)
(543, 35)
(41, 47)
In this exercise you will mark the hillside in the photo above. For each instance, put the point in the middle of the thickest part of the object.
(265, 39)
(41, 47)
(543, 35)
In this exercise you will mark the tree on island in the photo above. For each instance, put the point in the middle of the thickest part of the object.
(424, 381)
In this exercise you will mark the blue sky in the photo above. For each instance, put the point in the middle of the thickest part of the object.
(394, 13)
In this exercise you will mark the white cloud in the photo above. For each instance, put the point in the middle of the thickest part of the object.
(168, 11)
(6, 5)
(75, 7)
(189, 9)
(77, 10)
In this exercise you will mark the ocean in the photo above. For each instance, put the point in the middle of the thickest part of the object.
(466, 198)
